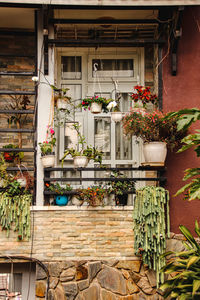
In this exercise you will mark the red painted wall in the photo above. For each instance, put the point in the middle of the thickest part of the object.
(181, 91)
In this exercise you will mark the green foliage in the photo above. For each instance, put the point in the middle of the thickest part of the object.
(47, 146)
(86, 102)
(150, 226)
(93, 195)
(57, 188)
(120, 187)
(184, 268)
(191, 189)
(15, 213)
(11, 156)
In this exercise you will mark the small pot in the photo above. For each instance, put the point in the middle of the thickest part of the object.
(61, 200)
(116, 116)
(61, 104)
(96, 108)
(121, 200)
(48, 160)
(80, 161)
(155, 153)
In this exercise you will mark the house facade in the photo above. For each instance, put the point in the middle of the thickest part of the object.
(100, 48)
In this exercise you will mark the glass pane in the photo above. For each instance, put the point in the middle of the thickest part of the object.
(123, 146)
(102, 135)
(75, 92)
(113, 67)
(71, 67)
(125, 102)
(11, 286)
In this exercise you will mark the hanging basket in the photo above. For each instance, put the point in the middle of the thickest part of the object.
(155, 153)
(48, 160)
(61, 103)
(80, 161)
(96, 108)
(22, 181)
(116, 116)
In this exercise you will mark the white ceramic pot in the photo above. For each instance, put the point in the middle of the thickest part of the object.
(116, 116)
(155, 153)
(96, 108)
(80, 161)
(61, 104)
(22, 181)
(48, 160)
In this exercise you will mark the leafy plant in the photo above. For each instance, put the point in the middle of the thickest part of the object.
(47, 146)
(86, 102)
(11, 156)
(57, 188)
(93, 195)
(92, 153)
(184, 269)
(120, 187)
(151, 226)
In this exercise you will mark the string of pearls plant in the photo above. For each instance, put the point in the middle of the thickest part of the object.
(151, 226)
(15, 213)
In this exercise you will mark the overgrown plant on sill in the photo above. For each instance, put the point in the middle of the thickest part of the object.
(184, 269)
(92, 153)
(57, 188)
(94, 195)
(151, 225)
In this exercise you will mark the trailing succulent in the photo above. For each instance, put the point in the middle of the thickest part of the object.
(150, 228)
(184, 269)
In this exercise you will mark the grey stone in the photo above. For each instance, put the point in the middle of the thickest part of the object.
(66, 264)
(51, 295)
(175, 245)
(68, 275)
(112, 280)
(141, 296)
(132, 287)
(71, 290)
(59, 293)
(154, 297)
(79, 297)
(107, 295)
(151, 275)
(83, 284)
(40, 273)
(93, 269)
(92, 293)
(80, 263)
(81, 273)
(53, 282)
(54, 269)
(133, 265)
(143, 283)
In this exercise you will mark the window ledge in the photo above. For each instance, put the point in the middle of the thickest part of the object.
(81, 208)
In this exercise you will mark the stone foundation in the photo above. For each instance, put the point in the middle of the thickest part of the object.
(97, 280)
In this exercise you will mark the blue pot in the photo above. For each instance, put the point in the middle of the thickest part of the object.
(61, 200)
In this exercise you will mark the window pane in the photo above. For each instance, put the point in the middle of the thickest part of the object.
(123, 145)
(71, 67)
(11, 286)
(102, 135)
(75, 92)
(113, 67)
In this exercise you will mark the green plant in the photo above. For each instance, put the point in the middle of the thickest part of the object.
(47, 146)
(184, 268)
(151, 207)
(92, 153)
(152, 127)
(57, 188)
(86, 102)
(93, 195)
(185, 118)
(120, 187)
(11, 156)
(144, 94)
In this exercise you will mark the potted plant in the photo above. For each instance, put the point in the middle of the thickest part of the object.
(60, 199)
(116, 114)
(12, 156)
(46, 147)
(156, 132)
(95, 104)
(85, 154)
(120, 188)
(142, 96)
(60, 97)
(94, 195)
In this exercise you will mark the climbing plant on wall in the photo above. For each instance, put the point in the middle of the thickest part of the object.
(151, 226)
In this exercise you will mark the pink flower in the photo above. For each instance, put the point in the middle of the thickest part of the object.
(52, 131)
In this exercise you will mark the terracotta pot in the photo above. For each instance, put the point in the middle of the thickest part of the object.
(116, 116)
(80, 161)
(96, 108)
(48, 160)
(155, 153)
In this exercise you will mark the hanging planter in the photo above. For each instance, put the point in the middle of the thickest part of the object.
(80, 161)
(95, 104)
(61, 103)
(61, 200)
(116, 116)
(48, 160)
(96, 108)
(155, 153)
(22, 181)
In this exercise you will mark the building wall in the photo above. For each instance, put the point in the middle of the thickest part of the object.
(183, 91)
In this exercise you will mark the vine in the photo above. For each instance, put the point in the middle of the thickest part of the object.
(151, 226)
(15, 211)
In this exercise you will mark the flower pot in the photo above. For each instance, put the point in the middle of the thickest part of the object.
(22, 181)
(116, 116)
(61, 104)
(80, 161)
(61, 200)
(121, 200)
(48, 160)
(155, 153)
(96, 108)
